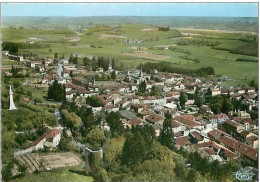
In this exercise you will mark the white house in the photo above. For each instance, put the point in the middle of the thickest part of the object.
(216, 92)
(219, 118)
(51, 139)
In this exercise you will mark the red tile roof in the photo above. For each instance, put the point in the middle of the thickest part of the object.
(196, 135)
(135, 121)
(189, 117)
(231, 123)
(216, 133)
(110, 106)
(242, 148)
(244, 133)
(186, 121)
(182, 141)
(212, 145)
(154, 118)
(178, 134)
(253, 138)
(175, 124)
(210, 151)
(37, 141)
(219, 116)
(53, 133)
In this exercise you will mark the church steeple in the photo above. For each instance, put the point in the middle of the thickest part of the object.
(11, 106)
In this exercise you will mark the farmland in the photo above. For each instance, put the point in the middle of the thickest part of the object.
(219, 49)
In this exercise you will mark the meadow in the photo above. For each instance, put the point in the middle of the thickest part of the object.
(109, 41)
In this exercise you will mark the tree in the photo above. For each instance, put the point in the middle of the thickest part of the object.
(113, 75)
(216, 108)
(198, 101)
(183, 99)
(197, 91)
(166, 135)
(180, 171)
(156, 151)
(134, 150)
(142, 87)
(94, 64)
(116, 126)
(96, 137)
(252, 83)
(94, 101)
(56, 56)
(87, 62)
(208, 92)
(236, 103)
(197, 98)
(226, 105)
(112, 153)
(71, 74)
(71, 120)
(194, 175)
(64, 142)
(75, 60)
(113, 64)
(11, 47)
(89, 120)
(208, 95)
(101, 175)
(154, 91)
(56, 92)
(153, 171)
(71, 59)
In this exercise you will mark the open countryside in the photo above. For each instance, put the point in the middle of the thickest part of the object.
(218, 46)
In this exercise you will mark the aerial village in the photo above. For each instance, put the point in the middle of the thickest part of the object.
(195, 127)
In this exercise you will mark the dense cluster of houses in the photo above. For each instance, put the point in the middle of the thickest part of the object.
(220, 137)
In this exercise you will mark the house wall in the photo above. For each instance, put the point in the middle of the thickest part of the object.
(40, 144)
(56, 140)
(178, 129)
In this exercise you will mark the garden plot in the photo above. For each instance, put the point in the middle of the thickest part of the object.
(41, 162)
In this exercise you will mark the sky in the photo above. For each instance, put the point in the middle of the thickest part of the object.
(131, 9)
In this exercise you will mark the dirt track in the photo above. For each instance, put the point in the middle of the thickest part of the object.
(147, 55)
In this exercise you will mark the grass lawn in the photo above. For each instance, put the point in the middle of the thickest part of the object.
(61, 175)
(6, 62)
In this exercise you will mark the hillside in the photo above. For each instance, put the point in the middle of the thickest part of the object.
(220, 23)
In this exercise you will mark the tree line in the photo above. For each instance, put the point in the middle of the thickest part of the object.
(168, 67)
(99, 62)
(13, 47)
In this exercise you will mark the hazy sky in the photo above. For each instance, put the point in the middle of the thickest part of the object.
(131, 9)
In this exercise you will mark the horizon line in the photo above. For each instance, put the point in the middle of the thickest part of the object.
(137, 16)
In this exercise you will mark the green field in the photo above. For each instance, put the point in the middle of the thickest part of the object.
(91, 44)
(61, 175)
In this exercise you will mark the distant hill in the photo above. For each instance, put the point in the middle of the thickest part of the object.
(77, 23)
